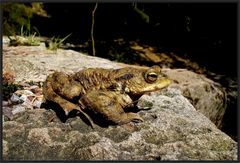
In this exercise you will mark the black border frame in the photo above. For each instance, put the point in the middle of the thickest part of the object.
(125, 1)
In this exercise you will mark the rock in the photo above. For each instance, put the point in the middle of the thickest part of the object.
(24, 98)
(24, 92)
(27, 98)
(5, 103)
(205, 95)
(5, 148)
(27, 103)
(15, 99)
(39, 136)
(172, 130)
(7, 112)
(35, 89)
(37, 104)
(21, 96)
(17, 109)
(38, 62)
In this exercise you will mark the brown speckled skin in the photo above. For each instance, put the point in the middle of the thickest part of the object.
(106, 91)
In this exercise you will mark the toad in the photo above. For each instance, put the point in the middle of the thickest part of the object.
(108, 92)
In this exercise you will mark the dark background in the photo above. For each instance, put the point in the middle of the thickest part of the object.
(207, 32)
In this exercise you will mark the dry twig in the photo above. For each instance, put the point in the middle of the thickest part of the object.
(93, 43)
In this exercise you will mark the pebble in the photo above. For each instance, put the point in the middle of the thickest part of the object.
(27, 104)
(5, 103)
(15, 99)
(24, 92)
(24, 98)
(7, 112)
(33, 87)
(37, 104)
(18, 109)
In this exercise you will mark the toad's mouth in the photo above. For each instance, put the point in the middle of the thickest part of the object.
(151, 88)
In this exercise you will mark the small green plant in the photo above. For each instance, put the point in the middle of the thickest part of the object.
(26, 38)
(55, 43)
(9, 89)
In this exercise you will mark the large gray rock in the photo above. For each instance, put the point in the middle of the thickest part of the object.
(35, 63)
(172, 130)
(206, 96)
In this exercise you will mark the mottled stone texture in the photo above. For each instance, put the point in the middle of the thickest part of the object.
(172, 130)
(205, 95)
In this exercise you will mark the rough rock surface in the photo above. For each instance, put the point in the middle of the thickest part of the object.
(172, 130)
(35, 63)
(206, 96)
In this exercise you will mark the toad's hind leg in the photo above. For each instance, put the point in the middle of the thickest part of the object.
(67, 106)
(50, 95)
(65, 86)
(110, 105)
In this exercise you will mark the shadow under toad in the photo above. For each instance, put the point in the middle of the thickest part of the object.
(97, 118)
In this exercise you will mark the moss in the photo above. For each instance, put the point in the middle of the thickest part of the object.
(117, 134)
(56, 134)
(89, 139)
(144, 126)
(80, 140)
(153, 139)
(181, 122)
(220, 145)
(9, 89)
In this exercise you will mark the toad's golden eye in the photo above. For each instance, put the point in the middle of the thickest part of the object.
(151, 77)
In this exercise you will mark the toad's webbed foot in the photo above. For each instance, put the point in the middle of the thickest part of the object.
(133, 117)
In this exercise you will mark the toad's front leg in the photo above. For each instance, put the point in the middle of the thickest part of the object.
(110, 105)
